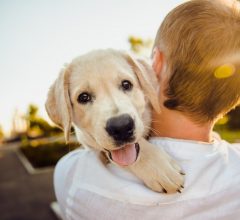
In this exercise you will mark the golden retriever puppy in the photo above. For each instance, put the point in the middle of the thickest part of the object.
(106, 96)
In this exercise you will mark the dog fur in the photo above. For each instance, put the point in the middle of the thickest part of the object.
(100, 73)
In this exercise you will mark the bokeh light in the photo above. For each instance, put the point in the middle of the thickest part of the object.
(224, 71)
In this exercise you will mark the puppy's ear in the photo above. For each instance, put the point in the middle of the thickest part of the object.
(58, 103)
(147, 79)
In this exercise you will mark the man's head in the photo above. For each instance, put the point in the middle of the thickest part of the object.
(197, 58)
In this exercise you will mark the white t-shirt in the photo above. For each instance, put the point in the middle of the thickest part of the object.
(86, 189)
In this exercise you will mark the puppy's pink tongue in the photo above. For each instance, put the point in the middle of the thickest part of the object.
(125, 156)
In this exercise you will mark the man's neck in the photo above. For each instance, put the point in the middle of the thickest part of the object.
(174, 124)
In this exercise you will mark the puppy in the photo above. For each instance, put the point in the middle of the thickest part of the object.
(106, 96)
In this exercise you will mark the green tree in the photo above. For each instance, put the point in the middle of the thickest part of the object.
(37, 126)
(140, 46)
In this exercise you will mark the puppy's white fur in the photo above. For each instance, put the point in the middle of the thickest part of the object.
(100, 73)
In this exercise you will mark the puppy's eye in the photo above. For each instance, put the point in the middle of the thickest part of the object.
(84, 98)
(126, 85)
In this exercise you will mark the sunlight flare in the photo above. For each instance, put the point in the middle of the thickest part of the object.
(224, 71)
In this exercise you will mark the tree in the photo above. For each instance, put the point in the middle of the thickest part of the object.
(1, 133)
(37, 126)
(140, 46)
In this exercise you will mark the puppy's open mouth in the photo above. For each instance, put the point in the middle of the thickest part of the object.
(126, 155)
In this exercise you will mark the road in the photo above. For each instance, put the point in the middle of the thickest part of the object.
(23, 196)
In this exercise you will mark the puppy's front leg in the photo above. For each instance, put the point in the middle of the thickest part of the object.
(157, 169)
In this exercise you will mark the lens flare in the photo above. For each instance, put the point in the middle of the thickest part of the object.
(224, 71)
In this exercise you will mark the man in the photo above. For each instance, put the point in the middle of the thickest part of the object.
(196, 59)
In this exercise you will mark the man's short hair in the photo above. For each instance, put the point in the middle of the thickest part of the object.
(201, 42)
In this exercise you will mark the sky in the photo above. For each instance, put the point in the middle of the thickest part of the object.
(38, 37)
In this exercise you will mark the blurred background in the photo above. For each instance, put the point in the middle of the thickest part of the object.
(37, 39)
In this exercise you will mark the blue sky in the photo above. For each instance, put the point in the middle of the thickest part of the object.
(38, 37)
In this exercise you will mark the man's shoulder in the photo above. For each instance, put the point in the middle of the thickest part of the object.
(66, 166)
(234, 152)
(66, 169)
(232, 149)
(234, 146)
(70, 160)
(67, 161)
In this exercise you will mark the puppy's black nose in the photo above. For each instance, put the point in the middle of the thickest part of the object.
(121, 128)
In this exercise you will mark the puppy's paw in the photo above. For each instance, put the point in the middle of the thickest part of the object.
(163, 174)
(158, 170)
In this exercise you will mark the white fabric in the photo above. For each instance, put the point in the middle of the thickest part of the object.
(86, 189)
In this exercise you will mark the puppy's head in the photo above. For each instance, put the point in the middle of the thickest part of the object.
(105, 95)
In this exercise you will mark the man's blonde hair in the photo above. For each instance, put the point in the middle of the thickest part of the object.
(201, 42)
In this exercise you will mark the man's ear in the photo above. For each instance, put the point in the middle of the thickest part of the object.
(58, 103)
(157, 64)
(147, 79)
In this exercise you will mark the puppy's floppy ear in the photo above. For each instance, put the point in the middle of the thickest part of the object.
(147, 79)
(58, 103)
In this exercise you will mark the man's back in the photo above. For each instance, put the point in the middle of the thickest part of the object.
(86, 189)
